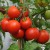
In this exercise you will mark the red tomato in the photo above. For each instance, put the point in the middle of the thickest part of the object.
(4, 23)
(19, 34)
(25, 22)
(44, 37)
(32, 33)
(26, 13)
(13, 26)
(13, 12)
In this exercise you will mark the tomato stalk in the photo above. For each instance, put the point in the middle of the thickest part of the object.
(21, 44)
(1, 42)
(21, 41)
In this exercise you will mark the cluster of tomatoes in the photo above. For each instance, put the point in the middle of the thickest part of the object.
(23, 28)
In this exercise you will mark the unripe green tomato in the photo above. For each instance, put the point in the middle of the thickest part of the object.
(47, 14)
(41, 3)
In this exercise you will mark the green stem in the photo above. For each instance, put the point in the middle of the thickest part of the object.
(21, 44)
(21, 41)
(1, 43)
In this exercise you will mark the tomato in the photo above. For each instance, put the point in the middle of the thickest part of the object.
(19, 34)
(47, 14)
(13, 26)
(32, 33)
(25, 22)
(13, 12)
(26, 13)
(4, 23)
(43, 37)
(41, 3)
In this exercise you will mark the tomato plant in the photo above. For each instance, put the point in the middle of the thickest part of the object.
(43, 37)
(25, 22)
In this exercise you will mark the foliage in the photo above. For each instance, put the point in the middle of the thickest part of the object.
(47, 46)
(1, 16)
(28, 46)
(14, 47)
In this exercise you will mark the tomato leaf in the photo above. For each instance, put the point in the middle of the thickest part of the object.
(15, 1)
(48, 24)
(1, 16)
(47, 46)
(31, 45)
(2, 32)
(13, 46)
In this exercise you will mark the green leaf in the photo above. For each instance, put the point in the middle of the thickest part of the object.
(48, 24)
(41, 22)
(15, 1)
(13, 46)
(38, 48)
(48, 29)
(1, 16)
(2, 31)
(47, 46)
(31, 45)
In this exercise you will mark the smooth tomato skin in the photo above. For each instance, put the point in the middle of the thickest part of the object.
(4, 24)
(13, 26)
(47, 14)
(32, 33)
(44, 37)
(19, 34)
(26, 23)
(13, 12)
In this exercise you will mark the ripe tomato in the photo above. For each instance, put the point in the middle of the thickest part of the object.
(47, 14)
(4, 23)
(43, 37)
(19, 34)
(13, 12)
(13, 26)
(26, 13)
(25, 22)
(32, 33)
